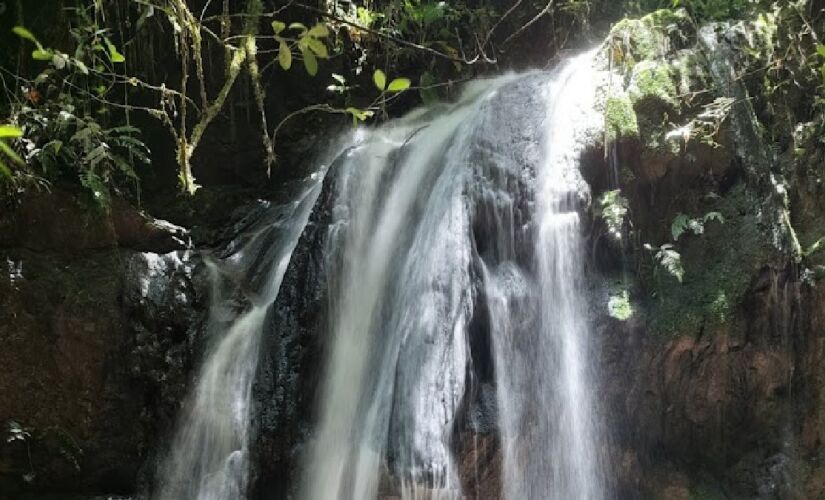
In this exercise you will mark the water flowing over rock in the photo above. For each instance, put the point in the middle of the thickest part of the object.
(209, 457)
(441, 263)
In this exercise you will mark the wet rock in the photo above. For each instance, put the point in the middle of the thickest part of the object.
(95, 359)
(60, 221)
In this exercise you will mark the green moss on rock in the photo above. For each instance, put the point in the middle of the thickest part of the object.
(653, 81)
(648, 37)
(620, 118)
(717, 274)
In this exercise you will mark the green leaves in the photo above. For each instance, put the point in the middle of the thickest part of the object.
(317, 47)
(682, 224)
(114, 56)
(38, 54)
(667, 258)
(426, 91)
(310, 62)
(398, 85)
(10, 131)
(612, 209)
(320, 30)
(284, 55)
(671, 261)
(379, 78)
(820, 50)
(26, 35)
(41, 55)
(358, 114)
(308, 42)
(6, 151)
(60, 60)
(619, 306)
(679, 226)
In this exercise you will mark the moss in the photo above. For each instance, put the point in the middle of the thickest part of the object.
(690, 73)
(705, 493)
(653, 81)
(620, 118)
(648, 37)
(717, 274)
(654, 136)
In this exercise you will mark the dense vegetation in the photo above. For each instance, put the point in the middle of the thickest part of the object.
(85, 77)
(82, 72)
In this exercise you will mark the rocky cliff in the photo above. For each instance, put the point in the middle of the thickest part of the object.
(709, 316)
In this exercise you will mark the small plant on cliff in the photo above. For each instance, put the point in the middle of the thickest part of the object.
(667, 259)
(706, 125)
(613, 209)
(619, 306)
(683, 224)
(70, 147)
(16, 433)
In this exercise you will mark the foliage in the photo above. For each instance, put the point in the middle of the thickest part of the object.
(667, 259)
(619, 306)
(682, 224)
(6, 151)
(63, 145)
(309, 42)
(51, 438)
(16, 433)
(613, 209)
(715, 10)
(701, 10)
(706, 124)
(620, 119)
(62, 133)
(665, 256)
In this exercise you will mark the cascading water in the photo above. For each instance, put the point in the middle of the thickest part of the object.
(399, 308)
(209, 459)
(548, 423)
(439, 215)
(452, 232)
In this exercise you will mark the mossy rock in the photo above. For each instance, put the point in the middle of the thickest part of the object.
(717, 274)
(652, 36)
(620, 118)
(652, 87)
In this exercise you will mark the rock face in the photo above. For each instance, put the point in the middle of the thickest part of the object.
(714, 387)
(709, 388)
(98, 320)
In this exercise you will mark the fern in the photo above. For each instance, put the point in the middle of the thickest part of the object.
(682, 224)
(667, 258)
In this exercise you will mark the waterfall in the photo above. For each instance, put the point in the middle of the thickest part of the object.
(452, 259)
(209, 457)
(400, 306)
(547, 417)
(442, 217)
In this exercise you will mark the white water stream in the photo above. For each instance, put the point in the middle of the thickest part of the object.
(448, 215)
(209, 458)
